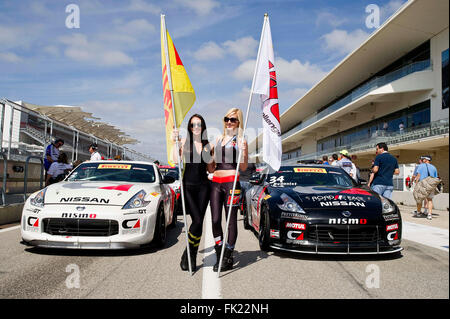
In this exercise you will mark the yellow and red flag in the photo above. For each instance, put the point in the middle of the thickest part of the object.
(176, 86)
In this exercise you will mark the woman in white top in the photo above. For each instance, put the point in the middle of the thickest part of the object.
(57, 169)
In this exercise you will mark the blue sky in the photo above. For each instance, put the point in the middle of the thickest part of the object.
(111, 65)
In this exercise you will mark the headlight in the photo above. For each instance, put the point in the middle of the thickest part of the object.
(386, 206)
(38, 200)
(137, 201)
(290, 205)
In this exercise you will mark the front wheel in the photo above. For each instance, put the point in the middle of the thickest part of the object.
(264, 229)
(245, 215)
(159, 238)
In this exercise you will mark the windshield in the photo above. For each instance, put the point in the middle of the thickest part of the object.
(310, 176)
(135, 173)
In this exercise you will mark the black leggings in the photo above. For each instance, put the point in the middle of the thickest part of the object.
(220, 198)
(196, 198)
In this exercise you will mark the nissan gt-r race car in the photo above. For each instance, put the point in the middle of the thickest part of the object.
(319, 209)
(101, 205)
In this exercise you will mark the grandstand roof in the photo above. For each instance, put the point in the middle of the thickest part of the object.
(83, 121)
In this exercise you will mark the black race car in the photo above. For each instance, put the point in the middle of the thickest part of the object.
(319, 209)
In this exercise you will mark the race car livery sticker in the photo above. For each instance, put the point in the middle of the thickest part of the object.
(390, 217)
(289, 215)
(267, 197)
(356, 191)
(336, 197)
(342, 203)
(294, 237)
(274, 233)
(297, 226)
(124, 187)
(309, 170)
(391, 227)
(154, 194)
(236, 191)
(114, 166)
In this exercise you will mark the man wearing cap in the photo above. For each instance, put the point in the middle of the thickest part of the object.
(423, 171)
(95, 155)
(384, 168)
(345, 162)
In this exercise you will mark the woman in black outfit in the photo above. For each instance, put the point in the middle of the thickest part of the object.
(196, 152)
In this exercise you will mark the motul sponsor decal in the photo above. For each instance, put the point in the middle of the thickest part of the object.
(347, 221)
(298, 226)
(391, 227)
(79, 215)
(84, 200)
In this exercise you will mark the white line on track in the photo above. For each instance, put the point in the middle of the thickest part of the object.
(426, 235)
(9, 229)
(211, 284)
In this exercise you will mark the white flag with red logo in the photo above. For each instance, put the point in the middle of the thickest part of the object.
(266, 85)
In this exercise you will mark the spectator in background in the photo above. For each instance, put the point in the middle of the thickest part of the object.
(117, 158)
(424, 170)
(384, 168)
(401, 127)
(95, 155)
(325, 160)
(334, 160)
(58, 170)
(51, 154)
(345, 162)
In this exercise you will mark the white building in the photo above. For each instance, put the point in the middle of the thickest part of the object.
(397, 78)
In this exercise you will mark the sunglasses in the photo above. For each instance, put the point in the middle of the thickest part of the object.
(230, 119)
(192, 125)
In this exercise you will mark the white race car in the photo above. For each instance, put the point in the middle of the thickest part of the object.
(101, 205)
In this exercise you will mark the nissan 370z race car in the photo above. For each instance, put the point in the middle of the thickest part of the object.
(319, 209)
(101, 205)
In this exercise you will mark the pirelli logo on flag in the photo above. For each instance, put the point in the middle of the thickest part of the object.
(309, 170)
(114, 166)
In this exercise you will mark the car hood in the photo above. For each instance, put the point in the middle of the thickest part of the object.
(95, 193)
(325, 197)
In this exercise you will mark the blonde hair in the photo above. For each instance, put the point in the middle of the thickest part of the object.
(240, 117)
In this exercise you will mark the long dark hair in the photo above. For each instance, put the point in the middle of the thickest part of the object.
(189, 143)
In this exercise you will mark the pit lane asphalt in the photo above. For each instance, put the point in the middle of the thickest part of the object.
(25, 272)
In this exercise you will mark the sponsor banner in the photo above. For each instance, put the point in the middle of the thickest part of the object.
(310, 170)
(114, 166)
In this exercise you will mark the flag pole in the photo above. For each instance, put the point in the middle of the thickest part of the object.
(266, 16)
(169, 78)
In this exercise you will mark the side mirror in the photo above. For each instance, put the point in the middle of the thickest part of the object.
(362, 182)
(168, 179)
(256, 179)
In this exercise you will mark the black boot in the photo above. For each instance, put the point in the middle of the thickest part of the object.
(184, 264)
(227, 262)
(218, 250)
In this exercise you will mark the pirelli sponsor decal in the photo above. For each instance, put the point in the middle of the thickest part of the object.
(114, 166)
(310, 170)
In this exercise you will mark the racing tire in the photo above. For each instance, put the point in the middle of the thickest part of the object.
(245, 215)
(264, 230)
(159, 239)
